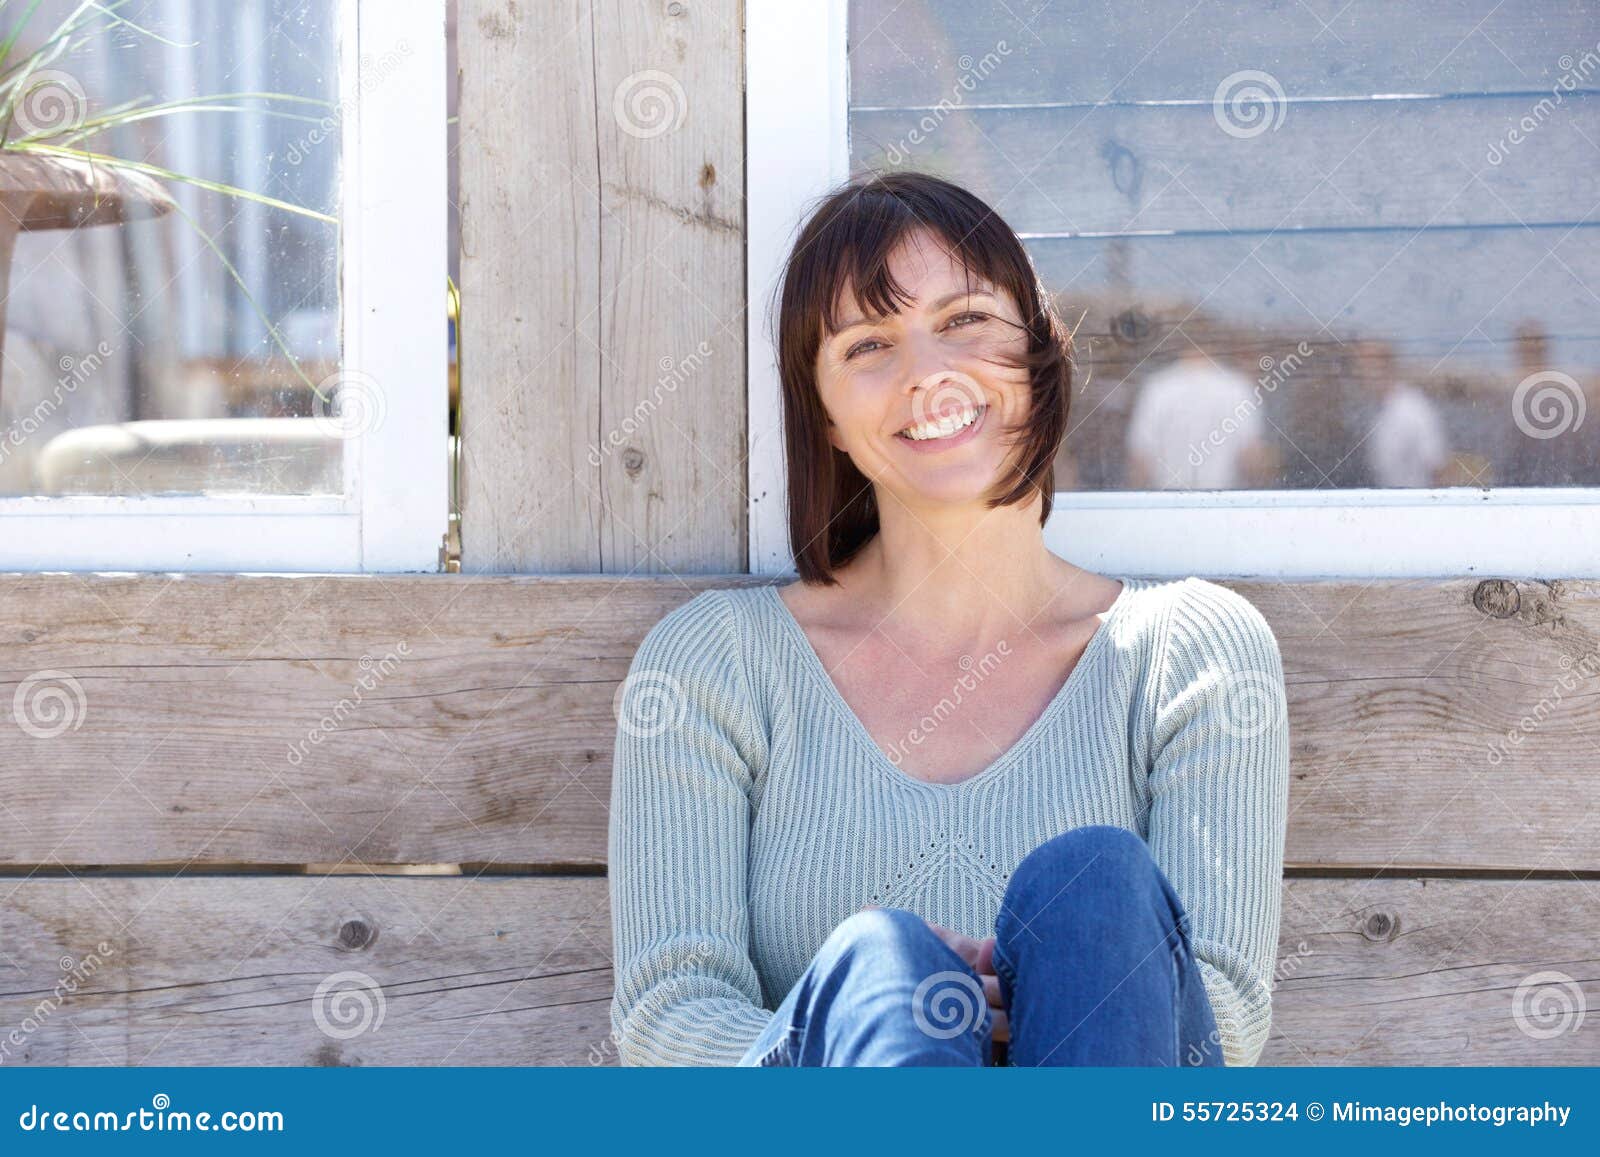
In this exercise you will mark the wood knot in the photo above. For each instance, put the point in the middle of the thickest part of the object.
(1497, 598)
(1379, 926)
(356, 935)
(1130, 327)
(633, 461)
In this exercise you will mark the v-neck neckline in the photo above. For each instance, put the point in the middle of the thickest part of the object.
(1064, 694)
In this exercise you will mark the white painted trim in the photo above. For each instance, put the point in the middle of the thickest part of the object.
(395, 508)
(797, 128)
(395, 269)
(796, 150)
(1524, 531)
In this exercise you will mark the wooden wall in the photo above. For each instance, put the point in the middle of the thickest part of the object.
(231, 788)
(602, 271)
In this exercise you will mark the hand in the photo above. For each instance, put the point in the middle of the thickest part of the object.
(980, 955)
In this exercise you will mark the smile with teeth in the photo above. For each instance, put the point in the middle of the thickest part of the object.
(946, 426)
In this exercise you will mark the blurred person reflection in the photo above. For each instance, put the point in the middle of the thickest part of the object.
(1197, 425)
(1407, 446)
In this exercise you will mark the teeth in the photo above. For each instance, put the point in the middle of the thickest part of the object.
(943, 427)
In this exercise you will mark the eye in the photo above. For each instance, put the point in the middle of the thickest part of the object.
(861, 347)
(977, 317)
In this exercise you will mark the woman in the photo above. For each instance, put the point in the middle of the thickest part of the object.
(948, 790)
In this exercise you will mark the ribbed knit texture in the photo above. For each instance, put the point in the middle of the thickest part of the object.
(751, 811)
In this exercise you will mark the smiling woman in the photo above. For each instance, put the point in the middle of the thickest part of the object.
(950, 322)
(847, 846)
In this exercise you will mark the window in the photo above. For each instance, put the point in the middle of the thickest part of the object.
(1331, 275)
(226, 338)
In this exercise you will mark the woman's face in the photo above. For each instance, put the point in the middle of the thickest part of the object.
(910, 396)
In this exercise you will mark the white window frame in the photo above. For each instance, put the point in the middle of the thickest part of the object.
(796, 109)
(394, 510)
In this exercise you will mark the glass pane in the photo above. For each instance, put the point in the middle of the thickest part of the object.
(161, 337)
(1276, 278)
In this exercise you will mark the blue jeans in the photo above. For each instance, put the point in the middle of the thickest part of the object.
(1093, 960)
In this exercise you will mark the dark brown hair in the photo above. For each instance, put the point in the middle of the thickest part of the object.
(833, 511)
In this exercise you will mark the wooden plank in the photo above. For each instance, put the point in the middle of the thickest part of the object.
(1139, 169)
(672, 327)
(276, 720)
(227, 970)
(602, 343)
(1437, 972)
(530, 283)
(1173, 50)
(224, 970)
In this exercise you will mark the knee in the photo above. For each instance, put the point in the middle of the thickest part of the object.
(883, 934)
(1099, 860)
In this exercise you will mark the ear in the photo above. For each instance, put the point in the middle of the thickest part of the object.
(833, 436)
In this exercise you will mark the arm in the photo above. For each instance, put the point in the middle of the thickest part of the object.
(1219, 789)
(686, 991)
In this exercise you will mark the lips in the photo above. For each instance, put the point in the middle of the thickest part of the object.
(945, 426)
(942, 442)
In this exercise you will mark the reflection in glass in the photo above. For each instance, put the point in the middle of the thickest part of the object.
(174, 340)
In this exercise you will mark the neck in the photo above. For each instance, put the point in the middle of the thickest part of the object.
(964, 571)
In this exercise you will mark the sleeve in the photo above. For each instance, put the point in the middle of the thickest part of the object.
(1219, 789)
(686, 992)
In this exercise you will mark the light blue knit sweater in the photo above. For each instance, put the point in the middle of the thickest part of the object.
(751, 811)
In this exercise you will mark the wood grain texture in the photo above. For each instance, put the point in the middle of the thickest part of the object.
(603, 286)
(516, 971)
(276, 720)
(226, 971)
(530, 284)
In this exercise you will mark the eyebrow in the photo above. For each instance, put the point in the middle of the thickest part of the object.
(940, 304)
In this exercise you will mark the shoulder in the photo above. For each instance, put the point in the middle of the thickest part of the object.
(690, 661)
(704, 633)
(1200, 624)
